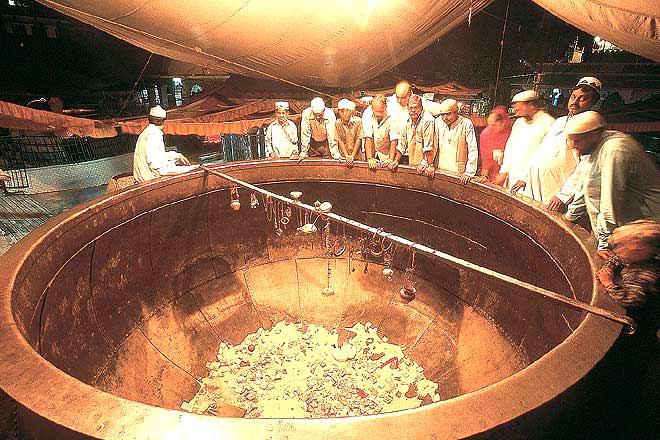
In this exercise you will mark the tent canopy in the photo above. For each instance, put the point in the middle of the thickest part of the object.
(18, 117)
(328, 43)
(633, 25)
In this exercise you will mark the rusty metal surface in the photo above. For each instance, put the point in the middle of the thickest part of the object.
(133, 292)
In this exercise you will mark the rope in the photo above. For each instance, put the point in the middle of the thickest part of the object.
(499, 63)
(135, 84)
(629, 325)
(195, 51)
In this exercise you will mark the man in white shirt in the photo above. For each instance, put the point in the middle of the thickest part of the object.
(317, 131)
(526, 136)
(457, 142)
(381, 134)
(417, 138)
(619, 183)
(282, 135)
(348, 130)
(547, 178)
(150, 160)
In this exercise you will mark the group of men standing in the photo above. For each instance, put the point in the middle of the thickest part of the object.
(399, 129)
(571, 164)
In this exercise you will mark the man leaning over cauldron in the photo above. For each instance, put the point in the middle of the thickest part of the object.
(150, 160)
(317, 132)
(619, 182)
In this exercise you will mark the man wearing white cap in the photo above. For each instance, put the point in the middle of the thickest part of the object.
(381, 134)
(457, 142)
(150, 159)
(526, 136)
(417, 138)
(620, 183)
(282, 134)
(348, 129)
(548, 177)
(317, 131)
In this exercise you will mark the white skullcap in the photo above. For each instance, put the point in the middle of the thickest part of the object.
(448, 106)
(428, 96)
(524, 96)
(282, 104)
(345, 104)
(433, 108)
(592, 82)
(584, 123)
(158, 112)
(318, 105)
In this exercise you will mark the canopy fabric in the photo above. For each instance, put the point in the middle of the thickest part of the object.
(445, 88)
(632, 25)
(18, 117)
(329, 43)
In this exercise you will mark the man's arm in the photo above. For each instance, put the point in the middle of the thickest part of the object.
(616, 167)
(341, 143)
(473, 151)
(357, 143)
(269, 142)
(332, 138)
(305, 134)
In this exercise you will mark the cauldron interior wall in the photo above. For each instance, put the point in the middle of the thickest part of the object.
(133, 297)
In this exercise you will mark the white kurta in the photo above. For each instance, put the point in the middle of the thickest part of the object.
(150, 159)
(551, 165)
(450, 140)
(281, 140)
(619, 183)
(526, 136)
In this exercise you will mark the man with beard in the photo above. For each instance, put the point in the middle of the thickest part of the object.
(417, 138)
(554, 162)
(619, 183)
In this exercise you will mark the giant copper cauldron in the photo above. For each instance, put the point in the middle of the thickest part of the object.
(111, 310)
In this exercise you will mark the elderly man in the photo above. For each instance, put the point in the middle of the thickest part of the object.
(417, 138)
(317, 131)
(380, 131)
(150, 160)
(348, 129)
(526, 136)
(554, 162)
(620, 183)
(282, 134)
(457, 142)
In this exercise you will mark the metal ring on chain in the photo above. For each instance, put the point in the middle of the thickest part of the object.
(339, 247)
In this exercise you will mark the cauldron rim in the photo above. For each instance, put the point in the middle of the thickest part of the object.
(84, 409)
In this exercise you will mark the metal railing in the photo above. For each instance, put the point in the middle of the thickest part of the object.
(244, 147)
(20, 152)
